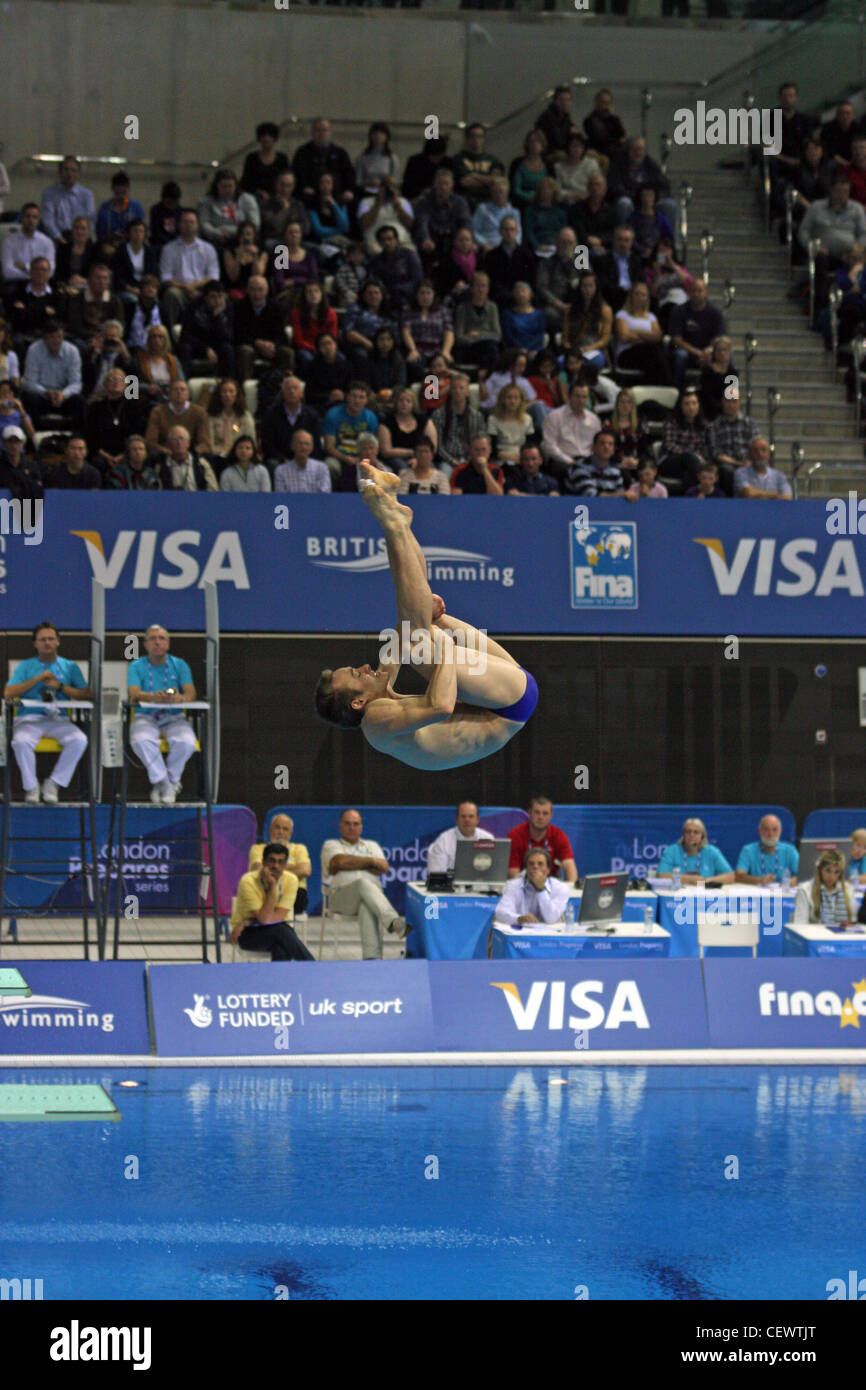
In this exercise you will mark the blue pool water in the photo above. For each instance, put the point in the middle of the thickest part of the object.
(312, 1183)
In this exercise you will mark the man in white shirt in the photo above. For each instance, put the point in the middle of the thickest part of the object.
(20, 249)
(569, 432)
(351, 869)
(534, 897)
(65, 200)
(185, 266)
(440, 855)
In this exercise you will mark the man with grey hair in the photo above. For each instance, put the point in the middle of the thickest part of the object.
(694, 856)
(302, 472)
(351, 870)
(178, 411)
(757, 480)
(558, 279)
(183, 470)
(161, 679)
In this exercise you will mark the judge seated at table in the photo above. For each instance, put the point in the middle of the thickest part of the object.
(440, 855)
(765, 860)
(534, 898)
(827, 900)
(694, 856)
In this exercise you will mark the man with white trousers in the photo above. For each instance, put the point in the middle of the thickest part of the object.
(161, 679)
(54, 680)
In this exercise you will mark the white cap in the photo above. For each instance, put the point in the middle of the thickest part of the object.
(13, 432)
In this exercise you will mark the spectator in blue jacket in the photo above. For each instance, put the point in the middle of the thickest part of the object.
(115, 215)
(523, 326)
(694, 856)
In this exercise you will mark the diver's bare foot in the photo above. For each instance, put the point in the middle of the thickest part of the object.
(438, 607)
(391, 515)
(388, 482)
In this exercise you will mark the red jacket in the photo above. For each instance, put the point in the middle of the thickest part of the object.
(307, 337)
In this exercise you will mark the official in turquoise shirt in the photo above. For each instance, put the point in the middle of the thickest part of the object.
(694, 856)
(766, 859)
(163, 679)
(53, 681)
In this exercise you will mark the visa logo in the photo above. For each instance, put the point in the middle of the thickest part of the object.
(626, 1005)
(224, 562)
(840, 570)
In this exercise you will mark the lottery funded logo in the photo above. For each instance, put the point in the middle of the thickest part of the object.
(604, 565)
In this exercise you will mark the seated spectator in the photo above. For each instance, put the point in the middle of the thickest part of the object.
(111, 419)
(180, 469)
(243, 260)
(639, 337)
(669, 283)
(351, 871)
(488, 216)
(694, 856)
(165, 215)
(229, 418)
(421, 168)
(478, 333)
(340, 430)
(158, 368)
(526, 479)
(385, 369)
(178, 411)
(543, 218)
(364, 320)
(457, 269)
(646, 484)
(838, 222)
(620, 269)
(12, 412)
(522, 325)
(478, 476)
(135, 471)
(757, 480)
(421, 478)
(52, 378)
(716, 378)
(19, 474)
(707, 484)
(633, 444)
(300, 472)
(351, 275)
(401, 432)
(90, 308)
(224, 208)
(328, 375)
(117, 213)
(573, 172)
(34, 304)
(730, 439)
(558, 279)
(74, 473)
(186, 265)
(588, 322)
(244, 470)
(287, 414)
(426, 330)
(386, 208)
(133, 260)
(837, 134)
(631, 169)
(512, 366)
(395, 266)
(544, 380)
(555, 121)
(593, 217)
(604, 130)
(534, 897)
(857, 860)
(280, 831)
(813, 178)
(311, 317)
(319, 156)
(694, 327)
(766, 859)
(436, 386)
(264, 904)
(75, 257)
(264, 167)
(66, 200)
(142, 314)
(855, 172)
(596, 475)
(508, 263)
(438, 215)
(851, 280)
(474, 168)
(510, 424)
(376, 162)
(207, 334)
(278, 209)
(22, 247)
(295, 266)
(648, 224)
(329, 220)
(104, 348)
(528, 169)
(259, 332)
(826, 901)
(685, 441)
(456, 423)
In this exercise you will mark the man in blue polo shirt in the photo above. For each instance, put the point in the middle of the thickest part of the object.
(54, 680)
(161, 679)
(341, 427)
(694, 856)
(766, 860)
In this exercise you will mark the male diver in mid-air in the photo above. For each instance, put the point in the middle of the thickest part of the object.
(469, 709)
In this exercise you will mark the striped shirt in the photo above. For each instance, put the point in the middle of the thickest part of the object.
(586, 478)
(834, 909)
(315, 477)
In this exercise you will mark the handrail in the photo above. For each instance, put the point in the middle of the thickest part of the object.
(794, 29)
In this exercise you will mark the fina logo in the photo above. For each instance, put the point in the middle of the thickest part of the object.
(368, 555)
(626, 1005)
(224, 563)
(789, 574)
(604, 565)
(802, 1003)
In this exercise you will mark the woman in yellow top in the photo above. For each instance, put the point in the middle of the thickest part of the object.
(280, 832)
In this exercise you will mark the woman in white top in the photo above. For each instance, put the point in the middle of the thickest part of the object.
(244, 471)
(827, 899)
(639, 337)
(228, 417)
(573, 173)
(510, 424)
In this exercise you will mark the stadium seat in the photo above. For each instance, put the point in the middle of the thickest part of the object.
(335, 918)
(475, 395)
(251, 391)
(39, 435)
(715, 933)
(196, 386)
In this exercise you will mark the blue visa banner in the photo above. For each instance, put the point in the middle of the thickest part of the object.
(404, 832)
(288, 1009)
(565, 1006)
(57, 1008)
(604, 567)
(786, 1002)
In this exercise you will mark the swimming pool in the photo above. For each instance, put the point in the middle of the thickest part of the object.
(264, 1183)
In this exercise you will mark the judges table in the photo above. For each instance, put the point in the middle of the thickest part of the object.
(456, 926)
(561, 943)
(681, 913)
(820, 941)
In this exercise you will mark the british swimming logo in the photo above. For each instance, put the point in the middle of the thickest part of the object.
(368, 555)
(21, 1008)
(603, 565)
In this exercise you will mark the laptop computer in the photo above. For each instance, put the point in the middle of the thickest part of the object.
(481, 866)
(603, 900)
(811, 851)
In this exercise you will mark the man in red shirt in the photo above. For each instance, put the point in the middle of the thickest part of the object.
(538, 833)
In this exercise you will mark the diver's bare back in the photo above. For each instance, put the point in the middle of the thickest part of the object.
(467, 735)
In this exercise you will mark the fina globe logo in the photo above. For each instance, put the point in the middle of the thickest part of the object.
(802, 1003)
(788, 574)
(625, 1007)
(368, 555)
(604, 565)
(175, 567)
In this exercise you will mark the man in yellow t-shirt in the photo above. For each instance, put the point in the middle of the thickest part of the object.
(264, 903)
(280, 831)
